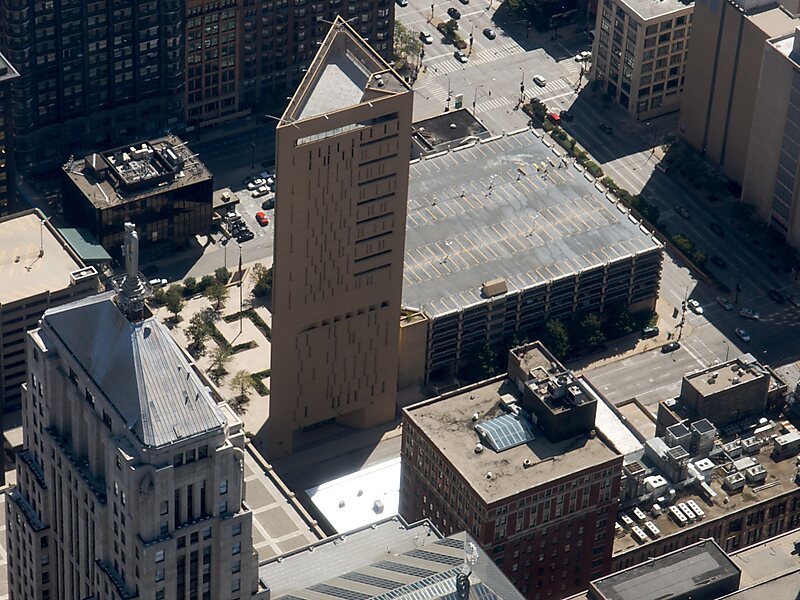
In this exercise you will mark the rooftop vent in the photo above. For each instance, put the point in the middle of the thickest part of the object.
(478, 448)
(489, 475)
(475, 416)
(527, 463)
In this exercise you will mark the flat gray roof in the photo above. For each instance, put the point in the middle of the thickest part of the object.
(345, 72)
(673, 575)
(7, 70)
(656, 9)
(105, 193)
(447, 422)
(23, 271)
(512, 222)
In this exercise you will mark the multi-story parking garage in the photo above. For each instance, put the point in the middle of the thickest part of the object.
(503, 236)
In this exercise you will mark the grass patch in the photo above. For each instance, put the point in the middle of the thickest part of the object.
(255, 319)
(258, 382)
(242, 347)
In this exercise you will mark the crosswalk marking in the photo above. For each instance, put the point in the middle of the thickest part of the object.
(494, 103)
(552, 86)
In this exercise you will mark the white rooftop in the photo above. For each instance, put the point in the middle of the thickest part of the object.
(349, 502)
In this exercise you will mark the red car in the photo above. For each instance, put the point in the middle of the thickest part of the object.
(554, 118)
(262, 219)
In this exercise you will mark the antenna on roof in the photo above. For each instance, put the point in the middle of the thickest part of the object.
(282, 121)
(338, 22)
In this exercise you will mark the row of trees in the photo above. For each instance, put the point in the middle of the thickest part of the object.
(586, 332)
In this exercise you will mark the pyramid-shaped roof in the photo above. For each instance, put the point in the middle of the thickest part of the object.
(139, 368)
(345, 72)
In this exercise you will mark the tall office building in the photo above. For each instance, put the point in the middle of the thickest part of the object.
(213, 34)
(7, 74)
(723, 74)
(92, 74)
(280, 39)
(38, 270)
(640, 51)
(773, 164)
(131, 481)
(343, 149)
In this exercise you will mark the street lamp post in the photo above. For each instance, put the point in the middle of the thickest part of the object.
(241, 277)
(475, 99)
(738, 288)
(447, 107)
(225, 252)
(253, 155)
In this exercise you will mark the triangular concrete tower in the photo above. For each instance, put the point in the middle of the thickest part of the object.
(343, 150)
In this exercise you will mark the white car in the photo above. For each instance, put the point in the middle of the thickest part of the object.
(742, 334)
(255, 184)
(460, 56)
(724, 303)
(694, 306)
(540, 81)
(158, 282)
(426, 37)
(749, 313)
(583, 56)
(261, 191)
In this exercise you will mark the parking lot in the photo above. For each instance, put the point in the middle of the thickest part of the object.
(252, 202)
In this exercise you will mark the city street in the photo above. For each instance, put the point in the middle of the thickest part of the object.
(490, 79)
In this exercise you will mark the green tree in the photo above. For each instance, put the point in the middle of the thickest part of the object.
(591, 332)
(556, 338)
(451, 29)
(217, 293)
(173, 300)
(189, 286)
(198, 331)
(487, 363)
(242, 382)
(220, 357)
(206, 282)
(700, 259)
(263, 280)
(537, 110)
(407, 46)
(682, 243)
(222, 274)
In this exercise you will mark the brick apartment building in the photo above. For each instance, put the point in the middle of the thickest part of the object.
(213, 36)
(541, 500)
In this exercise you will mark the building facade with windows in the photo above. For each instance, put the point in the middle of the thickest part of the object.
(280, 39)
(93, 74)
(516, 463)
(130, 484)
(213, 35)
(723, 75)
(343, 148)
(639, 54)
(7, 189)
(773, 164)
(159, 184)
(42, 271)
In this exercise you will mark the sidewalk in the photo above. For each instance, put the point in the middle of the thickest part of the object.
(634, 344)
